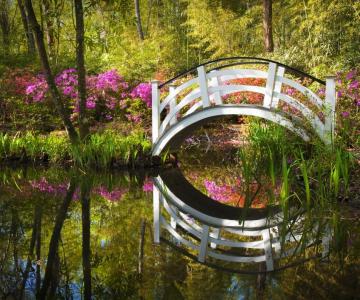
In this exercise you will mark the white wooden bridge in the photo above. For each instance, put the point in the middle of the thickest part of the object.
(200, 98)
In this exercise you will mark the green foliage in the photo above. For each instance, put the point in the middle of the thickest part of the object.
(316, 175)
(321, 37)
(221, 32)
(101, 150)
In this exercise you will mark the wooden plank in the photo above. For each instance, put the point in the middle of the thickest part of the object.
(270, 82)
(278, 84)
(155, 106)
(330, 100)
(203, 86)
(156, 214)
(268, 250)
(172, 105)
(204, 243)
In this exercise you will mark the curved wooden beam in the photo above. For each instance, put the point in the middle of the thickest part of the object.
(224, 110)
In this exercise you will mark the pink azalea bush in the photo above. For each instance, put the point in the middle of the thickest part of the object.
(108, 94)
(142, 91)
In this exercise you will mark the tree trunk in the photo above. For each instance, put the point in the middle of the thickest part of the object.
(54, 241)
(141, 247)
(5, 25)
(38, 257)
(138, 20)
(80, 62)
(55, 95)
(36, 226)
(49, 23)
(267, 24)
(28, 33)
(86, 250)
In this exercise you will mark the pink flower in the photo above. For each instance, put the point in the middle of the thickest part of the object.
(345, 114)
(354, 84)
(90, 104)
(321, 92)
(148, 185)
(142, 91)
(290, 91)
(350, 75)
(30, 89)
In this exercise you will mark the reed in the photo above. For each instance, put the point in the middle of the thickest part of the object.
(102, 150)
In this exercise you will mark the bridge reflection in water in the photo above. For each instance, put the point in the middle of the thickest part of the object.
(217, 233)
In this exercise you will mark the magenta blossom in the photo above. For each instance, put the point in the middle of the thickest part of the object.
(345, 114)
(148, 185)
(142, 91)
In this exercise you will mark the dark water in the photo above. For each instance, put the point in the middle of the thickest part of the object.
(65, 234)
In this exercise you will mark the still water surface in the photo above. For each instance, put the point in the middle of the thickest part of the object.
(65, 234)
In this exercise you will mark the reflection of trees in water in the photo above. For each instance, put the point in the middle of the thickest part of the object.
(30, 227)
(51, 279)
(61, 232)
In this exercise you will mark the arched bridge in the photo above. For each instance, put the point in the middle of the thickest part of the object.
(176, 110)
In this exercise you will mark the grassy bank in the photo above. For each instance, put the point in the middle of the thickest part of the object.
(101, 150)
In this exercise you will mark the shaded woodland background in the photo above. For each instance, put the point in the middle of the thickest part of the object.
(147, 38)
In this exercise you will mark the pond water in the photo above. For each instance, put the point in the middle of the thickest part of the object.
(65, 233)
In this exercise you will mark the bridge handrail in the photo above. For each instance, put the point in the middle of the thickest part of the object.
(212, 86)
(257, 60)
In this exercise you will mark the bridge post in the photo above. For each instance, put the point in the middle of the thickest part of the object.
(275, 101)
(155, 106)
(270, 83)
(268, 249)
(203, 86)
(204, 243)
(156, 214)
(330, 101)
(217, 95)
(172, 104)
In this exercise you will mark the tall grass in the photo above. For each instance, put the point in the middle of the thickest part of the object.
(318, 173)
(101, 150)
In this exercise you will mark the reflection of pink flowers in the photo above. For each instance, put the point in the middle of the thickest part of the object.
(44, 186)
(60, 190)
(148, 185)
(221, 193)
(113, 196)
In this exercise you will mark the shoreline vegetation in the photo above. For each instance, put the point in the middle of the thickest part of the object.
(101, 150)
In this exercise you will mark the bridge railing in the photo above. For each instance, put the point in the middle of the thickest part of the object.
(209, 239)
(207, 89)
